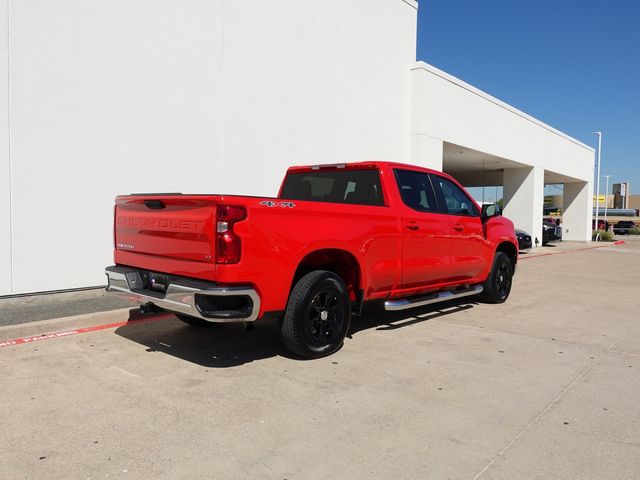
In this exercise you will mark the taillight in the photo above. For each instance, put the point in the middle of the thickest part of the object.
(115, 213)
(227, 242)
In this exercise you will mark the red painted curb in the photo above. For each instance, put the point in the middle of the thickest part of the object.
(619, 242)
(541, 255)
(76, 331)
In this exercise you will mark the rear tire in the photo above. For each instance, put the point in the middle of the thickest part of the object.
(497, 287)
(193, 321)
(318, 315)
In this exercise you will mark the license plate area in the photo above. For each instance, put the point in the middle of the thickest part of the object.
(157, 282)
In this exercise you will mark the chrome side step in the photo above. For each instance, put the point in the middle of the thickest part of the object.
(404, 303)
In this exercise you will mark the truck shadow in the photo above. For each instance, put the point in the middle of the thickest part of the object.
(229, 345)
(375, 316)
(217, 346)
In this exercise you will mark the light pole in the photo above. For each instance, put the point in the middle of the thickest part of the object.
(599, 134)
(606, 193)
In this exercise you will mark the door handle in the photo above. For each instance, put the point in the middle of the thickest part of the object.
(458, 228)
(413, 226)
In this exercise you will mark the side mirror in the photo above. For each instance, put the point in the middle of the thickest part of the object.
(490, 210)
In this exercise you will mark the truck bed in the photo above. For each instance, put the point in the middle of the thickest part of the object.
(175, 234)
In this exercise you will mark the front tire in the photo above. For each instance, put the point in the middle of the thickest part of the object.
(318, 315)
(497, 287)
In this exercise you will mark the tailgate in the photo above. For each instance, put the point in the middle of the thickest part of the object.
(170, 226)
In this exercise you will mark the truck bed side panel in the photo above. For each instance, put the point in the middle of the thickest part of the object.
(276, 239)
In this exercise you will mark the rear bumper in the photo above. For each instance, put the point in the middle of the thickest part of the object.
(206, 300)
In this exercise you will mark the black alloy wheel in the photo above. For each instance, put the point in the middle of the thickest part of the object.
(503, 280)
(318, 315)
(497, 287)
(325, 316)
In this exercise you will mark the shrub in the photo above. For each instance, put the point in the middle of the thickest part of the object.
(604, 236)
(634, 231)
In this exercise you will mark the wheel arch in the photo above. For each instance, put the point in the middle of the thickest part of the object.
(341, 262)
(510, 250)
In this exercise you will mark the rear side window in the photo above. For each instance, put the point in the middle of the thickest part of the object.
(416, 190)
(360, 187)
(452, 199)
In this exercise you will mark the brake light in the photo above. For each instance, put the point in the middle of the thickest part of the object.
(115, 214)
(228, 245)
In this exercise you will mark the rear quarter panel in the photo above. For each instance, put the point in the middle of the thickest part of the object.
(276, 238)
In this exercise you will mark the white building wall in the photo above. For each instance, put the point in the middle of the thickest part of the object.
(449, 109)
(114, 96)
(327, 82)
(576, 219)
(5, 165)
(427, 151)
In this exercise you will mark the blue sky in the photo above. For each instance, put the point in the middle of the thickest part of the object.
(574, 64)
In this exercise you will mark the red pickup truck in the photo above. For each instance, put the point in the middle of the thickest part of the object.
(335, 237)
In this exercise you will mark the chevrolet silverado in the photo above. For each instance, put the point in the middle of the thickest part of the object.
(336, 236)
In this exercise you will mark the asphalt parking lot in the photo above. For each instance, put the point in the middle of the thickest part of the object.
(544, 386)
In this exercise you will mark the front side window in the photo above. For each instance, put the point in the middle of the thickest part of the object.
(452, 199)
(416, 190)
(360, 187)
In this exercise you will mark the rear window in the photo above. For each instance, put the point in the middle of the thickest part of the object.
(360, 187)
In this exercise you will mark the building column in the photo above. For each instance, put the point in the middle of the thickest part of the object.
(426, 151)
(523, 199)
(577, 211)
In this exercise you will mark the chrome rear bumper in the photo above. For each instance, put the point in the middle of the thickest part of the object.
(185, 295)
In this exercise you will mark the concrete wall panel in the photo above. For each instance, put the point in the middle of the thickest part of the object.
(108, 97)
(449, 109)
(112, 96)
(427, 151)
(5, 160)
(319, 84)
(577, 211)
(523, 199)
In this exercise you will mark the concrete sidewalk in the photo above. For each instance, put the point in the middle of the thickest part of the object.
(33, 308)
(544, 386)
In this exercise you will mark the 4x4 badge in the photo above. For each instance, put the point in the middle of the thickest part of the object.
(270, 203)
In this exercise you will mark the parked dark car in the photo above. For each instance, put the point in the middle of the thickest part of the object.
(551, 232)
(623, 226)
(602, 224)
(524, 239)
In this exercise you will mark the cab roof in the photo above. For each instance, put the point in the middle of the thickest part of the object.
(359, 165)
